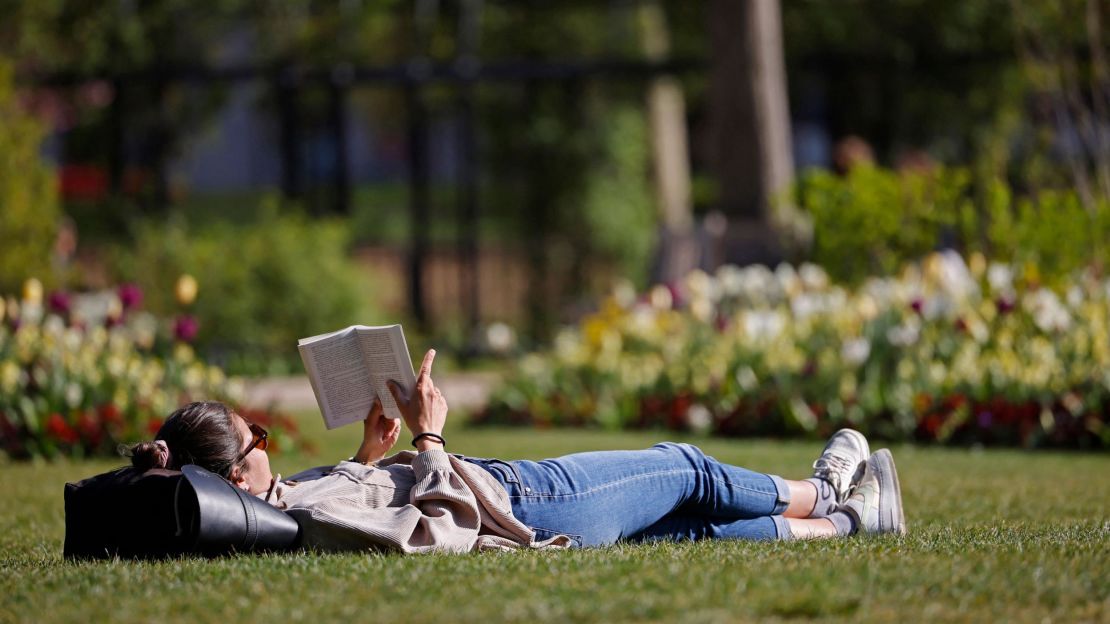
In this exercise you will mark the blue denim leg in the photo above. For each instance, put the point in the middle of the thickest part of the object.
(602, 497)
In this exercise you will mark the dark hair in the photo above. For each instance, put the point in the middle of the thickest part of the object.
(202, 433)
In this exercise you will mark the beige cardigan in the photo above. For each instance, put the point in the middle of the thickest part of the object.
(408, 502)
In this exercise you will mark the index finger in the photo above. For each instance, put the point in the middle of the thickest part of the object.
(426, 365)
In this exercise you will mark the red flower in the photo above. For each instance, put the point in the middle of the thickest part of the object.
(131, 296)
(59, 302)
(59, 429)
(185, 328)
(153, 425)
(90, 427)
(109, 413)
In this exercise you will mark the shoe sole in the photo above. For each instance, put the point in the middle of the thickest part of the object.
(892, 518)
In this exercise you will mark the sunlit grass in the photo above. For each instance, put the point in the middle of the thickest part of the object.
(994, 536)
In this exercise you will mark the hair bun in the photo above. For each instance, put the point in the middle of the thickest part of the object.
(148, 455)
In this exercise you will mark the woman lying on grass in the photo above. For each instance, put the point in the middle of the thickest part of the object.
(430, 500)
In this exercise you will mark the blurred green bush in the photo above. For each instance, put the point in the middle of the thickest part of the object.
(29, 210)
(262, 285)
(874, 220)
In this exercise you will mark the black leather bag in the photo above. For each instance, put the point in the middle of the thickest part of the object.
(167, 513)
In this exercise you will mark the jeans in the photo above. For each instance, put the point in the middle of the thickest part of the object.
(670, 491)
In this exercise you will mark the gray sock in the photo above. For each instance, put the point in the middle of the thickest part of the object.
(826, 498)
(843, 522)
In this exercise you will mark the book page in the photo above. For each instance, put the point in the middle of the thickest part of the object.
(338, 376)
(387, 357)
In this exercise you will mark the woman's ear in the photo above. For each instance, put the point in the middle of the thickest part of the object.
(238, 480)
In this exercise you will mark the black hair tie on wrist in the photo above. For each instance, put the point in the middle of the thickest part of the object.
(433, 436)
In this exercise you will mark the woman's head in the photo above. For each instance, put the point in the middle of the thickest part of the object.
(211, 435)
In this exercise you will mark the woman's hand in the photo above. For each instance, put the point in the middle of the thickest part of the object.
(379, 434)
(425, 411)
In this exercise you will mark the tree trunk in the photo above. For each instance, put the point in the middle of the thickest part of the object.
(749, 126)
(670, 154)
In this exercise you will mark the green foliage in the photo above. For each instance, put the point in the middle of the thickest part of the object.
(618, 207)
(1052, 231)
(874, 220)
(28, 197)
(262, 285)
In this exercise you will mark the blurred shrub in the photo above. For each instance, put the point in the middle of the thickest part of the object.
(260, 286)
(29, 210)
(873, 221)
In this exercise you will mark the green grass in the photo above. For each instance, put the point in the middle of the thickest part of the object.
(994, 536)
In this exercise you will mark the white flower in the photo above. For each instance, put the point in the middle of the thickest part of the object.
(1001, 278)
(759, 283)
(1075, 296)
(699, 284)
(500, 337)
(905, 334)
(1049, 313)
(805, 305)
(813, 277)
(747, 379)
(74, 394)
(731, 280)
(856, 351)
(787, 278)
(624, 293)
(953, 276)
(763, 325)
(699, 418)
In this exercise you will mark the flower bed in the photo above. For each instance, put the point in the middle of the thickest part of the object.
(947, 351)
(75, 382)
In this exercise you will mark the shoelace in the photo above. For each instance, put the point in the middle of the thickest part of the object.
(830, 467)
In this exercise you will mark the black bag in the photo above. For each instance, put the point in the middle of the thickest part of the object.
(164, 513)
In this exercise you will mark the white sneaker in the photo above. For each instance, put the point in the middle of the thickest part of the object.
(876, 502)
(842, 462)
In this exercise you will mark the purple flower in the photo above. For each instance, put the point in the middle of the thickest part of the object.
(985, 419)
(1004, 305)
(918, 305)
(185, 328)
(59, 302)
(131, 296)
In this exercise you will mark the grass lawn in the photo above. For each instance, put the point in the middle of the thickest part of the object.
(994, 536)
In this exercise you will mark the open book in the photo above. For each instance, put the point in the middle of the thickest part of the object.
(350, 367)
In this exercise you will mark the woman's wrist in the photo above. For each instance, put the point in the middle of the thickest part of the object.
(427, 444)
(426, 440)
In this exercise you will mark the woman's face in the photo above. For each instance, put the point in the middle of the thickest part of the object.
(255, 468)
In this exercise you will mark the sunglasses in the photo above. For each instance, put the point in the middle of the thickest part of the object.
(258, 441)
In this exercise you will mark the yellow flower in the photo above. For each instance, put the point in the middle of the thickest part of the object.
(977, 263)
(32, 291)
(183, 353)
(9, 376)
(186, 289)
